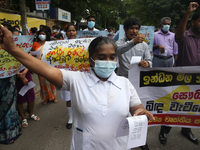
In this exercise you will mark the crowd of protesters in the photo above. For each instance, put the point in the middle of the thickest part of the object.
(170, 49)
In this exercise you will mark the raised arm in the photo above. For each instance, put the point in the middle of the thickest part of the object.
(52, 74)
(182, 25)
(128, 45)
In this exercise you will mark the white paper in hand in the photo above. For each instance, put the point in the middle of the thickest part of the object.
(136, 129)
(25, 88)
(136, 59)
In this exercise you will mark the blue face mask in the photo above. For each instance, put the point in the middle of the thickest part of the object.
(91, 24)
(165, 28)
(54, 31)
(110, 33)
(104, 68)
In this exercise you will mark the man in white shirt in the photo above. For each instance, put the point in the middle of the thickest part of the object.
(91, 24)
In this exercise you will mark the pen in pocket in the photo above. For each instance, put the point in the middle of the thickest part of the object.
(79, 129)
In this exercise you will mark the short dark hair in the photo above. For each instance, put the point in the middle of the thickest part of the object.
(66, 29)
(46, 32)
(13, 29)
(33, 30)
(16, 26)
(41, 26)
(131, 21)
(110, 27)
(196, 16)
(97, 42)
(56, 27)
(7, 24)
(90, 16)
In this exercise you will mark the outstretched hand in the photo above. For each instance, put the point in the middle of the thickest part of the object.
(6, 38)
(193, 6)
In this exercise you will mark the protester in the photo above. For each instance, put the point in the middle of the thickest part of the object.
(23, 77)
(33, 31)
(62, 31)
(132, 45)
(188, 48)
(165, 49)
(110, 32)
(18, 28)
(97, 112)
(15, 31)
(10, 128)
(47, 90)
(42, 26)
(91, 24)
(71, 33)
(56, 35)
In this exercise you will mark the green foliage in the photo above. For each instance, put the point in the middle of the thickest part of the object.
(150, 12)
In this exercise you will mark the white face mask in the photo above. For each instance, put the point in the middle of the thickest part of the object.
(42, 37)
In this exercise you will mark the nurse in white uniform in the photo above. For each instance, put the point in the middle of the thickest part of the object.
(100, 98)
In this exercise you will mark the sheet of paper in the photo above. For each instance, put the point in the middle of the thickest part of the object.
(136, 59)
(163, 54)
(35, 53)
(25, 88)
(136, 129)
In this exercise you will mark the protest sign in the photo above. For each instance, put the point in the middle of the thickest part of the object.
(68, 54)
(90, 34)
(9, 66)
(171, 94)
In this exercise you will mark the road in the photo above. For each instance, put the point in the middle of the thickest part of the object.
(50, 132)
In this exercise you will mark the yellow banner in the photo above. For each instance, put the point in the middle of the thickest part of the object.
(15, 19)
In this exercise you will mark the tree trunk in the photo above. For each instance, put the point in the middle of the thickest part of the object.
(8, 4)
(23, 17)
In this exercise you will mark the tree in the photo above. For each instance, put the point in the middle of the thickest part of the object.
(23, 17)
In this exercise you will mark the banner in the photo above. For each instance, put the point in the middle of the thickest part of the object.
(90, 34)
(148, 31)
(9, 66)
(68, 54)
(15, 19)
(171, 94)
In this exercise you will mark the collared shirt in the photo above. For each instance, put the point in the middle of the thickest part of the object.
(111, 36)
(126, 49)
(189, 50)
(167, 41)
(98, 108)
(90, 30)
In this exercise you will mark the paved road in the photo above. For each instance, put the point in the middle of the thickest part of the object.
(50, 132)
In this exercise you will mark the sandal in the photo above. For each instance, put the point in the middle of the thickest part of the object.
(24, 123)
(45, 102)
(55, 100)
(34, 117)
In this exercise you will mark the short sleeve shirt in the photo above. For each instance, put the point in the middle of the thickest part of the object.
(189, 50)
(98, 108)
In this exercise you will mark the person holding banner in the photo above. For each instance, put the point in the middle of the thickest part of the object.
(91, 24)
(71, 33)
(100, 98)
(10, 128)
(47, 90)
(132, 45)
(188, 53)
